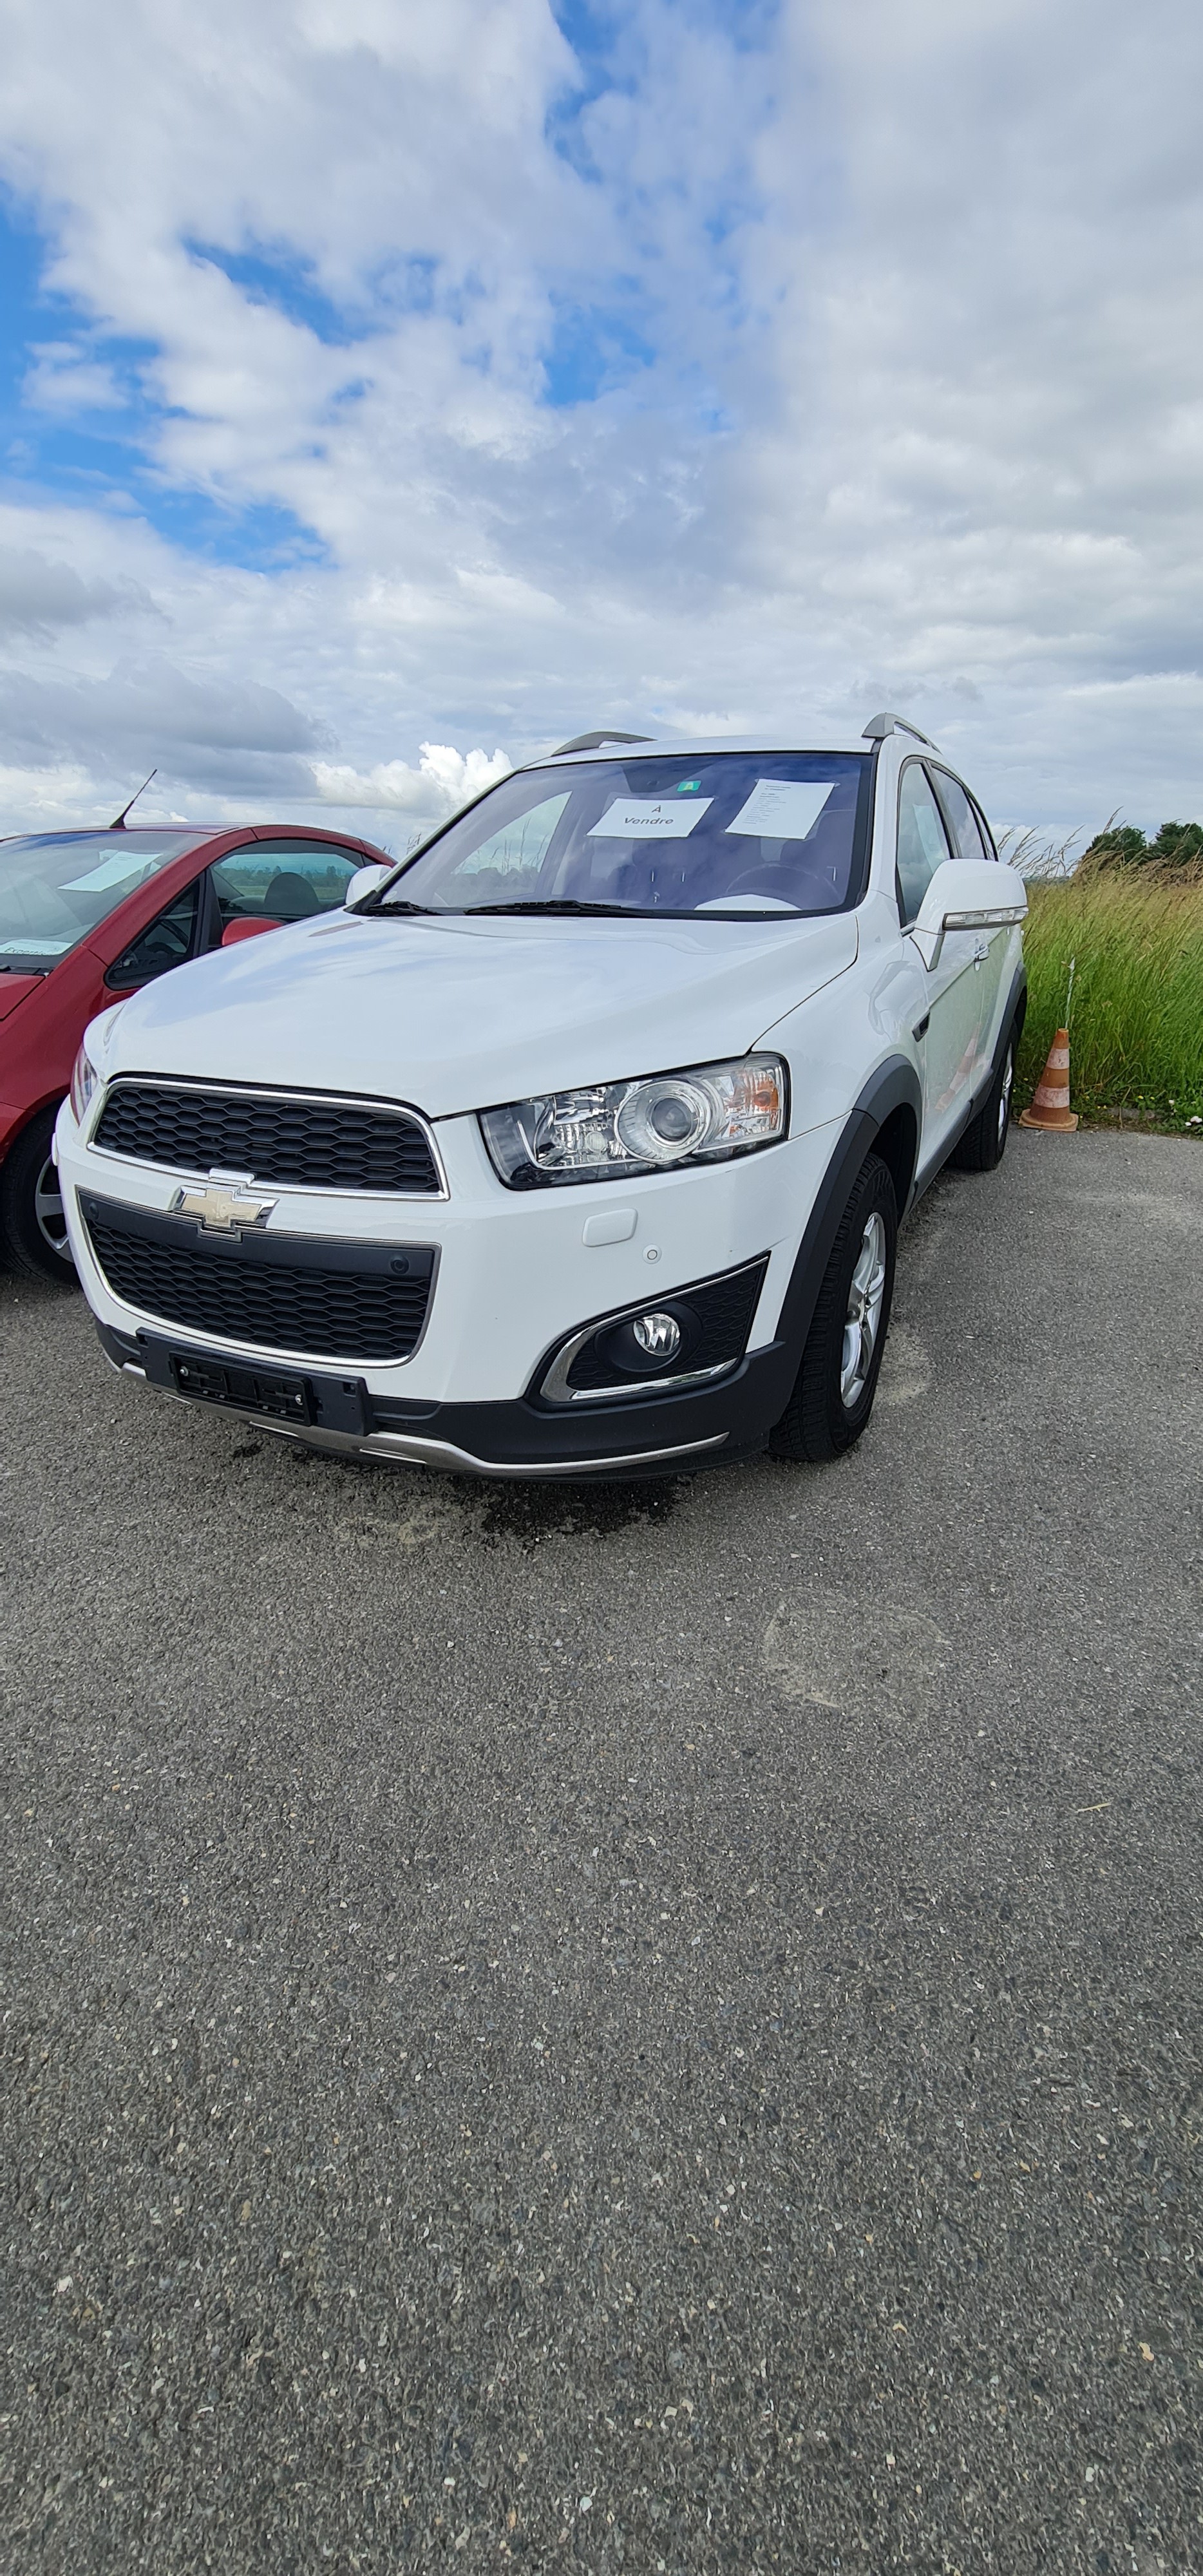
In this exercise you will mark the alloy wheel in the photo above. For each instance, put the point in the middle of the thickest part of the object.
(48, 1211)
(863, 1319)
(1006, 1087)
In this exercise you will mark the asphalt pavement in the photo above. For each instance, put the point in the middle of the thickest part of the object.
(641, 2029)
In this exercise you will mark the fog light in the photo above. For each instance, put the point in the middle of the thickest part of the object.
(649, 1344)
(659, 1335)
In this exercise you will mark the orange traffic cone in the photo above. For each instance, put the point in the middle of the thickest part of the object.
(1050, 1099)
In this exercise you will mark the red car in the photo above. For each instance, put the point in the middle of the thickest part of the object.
(88, 916)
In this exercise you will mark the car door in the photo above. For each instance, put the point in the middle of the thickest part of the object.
(971, 840)
(950, 1025)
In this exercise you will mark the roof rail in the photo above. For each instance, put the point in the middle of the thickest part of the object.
(879, 726)
(594, 741)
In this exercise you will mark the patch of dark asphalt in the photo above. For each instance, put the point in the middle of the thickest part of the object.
(651, 2030)
(528, 1512)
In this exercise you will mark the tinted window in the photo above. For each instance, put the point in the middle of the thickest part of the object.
(922, 847)
(165, 942)
(57, 886)
(282, 880)
(964, 829)
(729, 831)
(988, 841)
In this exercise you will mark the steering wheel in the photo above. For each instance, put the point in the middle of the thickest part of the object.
(758, 880)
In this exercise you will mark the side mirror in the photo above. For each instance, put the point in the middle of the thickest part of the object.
(365, 881)
(967, 894)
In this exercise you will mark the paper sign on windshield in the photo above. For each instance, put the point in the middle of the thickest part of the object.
(650, 818)
(783, 809)
(120, 870)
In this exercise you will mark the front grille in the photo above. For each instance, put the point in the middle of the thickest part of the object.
(298, 1142)
(343, 1301)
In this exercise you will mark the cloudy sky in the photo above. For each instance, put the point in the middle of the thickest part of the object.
(389, 390)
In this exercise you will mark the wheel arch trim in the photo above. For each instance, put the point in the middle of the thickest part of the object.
(1016, 1009)
(890, 1102)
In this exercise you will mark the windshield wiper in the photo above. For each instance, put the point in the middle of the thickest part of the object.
(378, 908)
(561, 903)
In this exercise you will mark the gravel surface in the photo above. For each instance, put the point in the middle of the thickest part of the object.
(645, 2029)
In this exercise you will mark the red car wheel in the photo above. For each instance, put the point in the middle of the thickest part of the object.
(32, 1224)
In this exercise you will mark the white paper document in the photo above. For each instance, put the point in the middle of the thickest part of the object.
(34, 947)
(122, 869)
(783, 809)
(650, 818)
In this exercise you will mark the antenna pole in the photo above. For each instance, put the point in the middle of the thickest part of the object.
(118, 822)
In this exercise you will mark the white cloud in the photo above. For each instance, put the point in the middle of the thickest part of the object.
(37, 596)
(444, 780)
(61, 792)
(64, 379)
(910, 411)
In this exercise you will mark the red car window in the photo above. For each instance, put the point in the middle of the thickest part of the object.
(57, 887)
(165, 942)
(282, 880)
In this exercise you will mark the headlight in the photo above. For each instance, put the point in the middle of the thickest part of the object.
(93, 1054)
(616, 1130)
(84, 1079)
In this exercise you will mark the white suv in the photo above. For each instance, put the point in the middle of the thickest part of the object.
(577, 1144)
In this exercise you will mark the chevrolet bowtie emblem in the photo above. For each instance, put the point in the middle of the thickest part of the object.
(226, 1206)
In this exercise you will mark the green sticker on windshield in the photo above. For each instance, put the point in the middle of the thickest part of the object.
(689, 787)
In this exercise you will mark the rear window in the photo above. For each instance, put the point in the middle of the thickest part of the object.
(55, 888)
(726, 832)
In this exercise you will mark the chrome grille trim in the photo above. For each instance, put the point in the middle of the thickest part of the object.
(296, 1095)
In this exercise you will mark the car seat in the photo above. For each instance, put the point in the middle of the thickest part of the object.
(289, 896)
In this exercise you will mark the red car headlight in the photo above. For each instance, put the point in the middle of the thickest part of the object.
(84, 1078)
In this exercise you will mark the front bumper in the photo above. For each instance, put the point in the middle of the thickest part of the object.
(515, 1275)
(710, 1426)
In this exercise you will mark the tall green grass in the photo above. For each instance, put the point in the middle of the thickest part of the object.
(1136, 1020)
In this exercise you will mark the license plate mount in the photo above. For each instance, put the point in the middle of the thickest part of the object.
(246, 1390)
(302, 1398)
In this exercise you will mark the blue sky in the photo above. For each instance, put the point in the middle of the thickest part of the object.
(96, 451)
(374, 378)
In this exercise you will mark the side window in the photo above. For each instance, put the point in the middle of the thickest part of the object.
(989, 843)
(166, 941)
(922, 847)
(963, 825)
(514, 853)
(281, 880)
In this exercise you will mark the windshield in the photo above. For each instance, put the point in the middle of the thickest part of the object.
(727, 832)
(56, 886)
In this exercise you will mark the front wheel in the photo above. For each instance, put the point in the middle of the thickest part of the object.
(836, 1383)
(33, 1228)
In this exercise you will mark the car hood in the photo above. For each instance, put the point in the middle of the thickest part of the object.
(458, 1013)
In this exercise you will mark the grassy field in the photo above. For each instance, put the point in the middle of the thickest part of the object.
(1136, 1020)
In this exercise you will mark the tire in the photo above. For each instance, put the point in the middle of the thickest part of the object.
(837, 1380)
(984, 1142)
(33, 1229)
